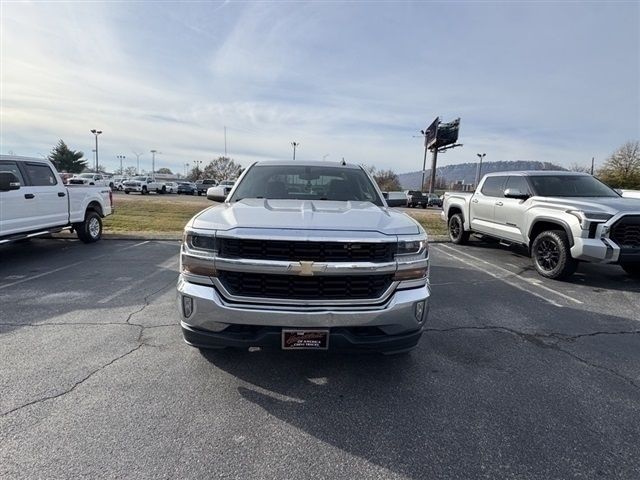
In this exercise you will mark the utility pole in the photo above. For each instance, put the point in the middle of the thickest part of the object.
(479, 168)
(153, 163)
(593, 160)
(138, 155)
(424, 160)
(434, 160)
(96, 133)
(294, 145)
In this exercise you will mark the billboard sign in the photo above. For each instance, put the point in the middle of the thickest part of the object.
(447, 134)
(431, 133)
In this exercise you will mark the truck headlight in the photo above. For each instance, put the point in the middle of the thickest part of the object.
(587, 218)
(198, 254)
(412, 247)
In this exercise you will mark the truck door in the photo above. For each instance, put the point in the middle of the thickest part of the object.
(15, 214)
(510, 212)
(47, 196)
(483, 204)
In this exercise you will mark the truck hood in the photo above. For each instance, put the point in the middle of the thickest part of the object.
(305, 215)
(610, 205)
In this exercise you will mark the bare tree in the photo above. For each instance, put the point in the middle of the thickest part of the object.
(387, 180)
(622, 168)
(222, 168)
(576, 167)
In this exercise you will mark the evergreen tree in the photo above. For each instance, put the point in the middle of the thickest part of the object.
(67, 160)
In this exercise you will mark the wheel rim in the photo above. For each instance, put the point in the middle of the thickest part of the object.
(454, 228)
(94, 227)
(548, 254)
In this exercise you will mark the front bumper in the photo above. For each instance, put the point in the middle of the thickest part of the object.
(130, 188)
(603, 248)
(390, 327)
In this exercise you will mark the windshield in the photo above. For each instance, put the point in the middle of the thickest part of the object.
(86, 175)
(307, 183)
(570, 186)
(142, 179)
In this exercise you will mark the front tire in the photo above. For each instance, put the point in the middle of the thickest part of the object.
(456, 230)
(552, 256)
(90, 230)
(632, 269)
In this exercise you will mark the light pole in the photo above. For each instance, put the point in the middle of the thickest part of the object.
(138, 155)
(294, 145)
(186, 169)
(197, 164)
(153, 163)
(479, 167)
(121, 158)
(96, 133)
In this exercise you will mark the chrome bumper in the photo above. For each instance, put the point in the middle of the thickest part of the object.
(210, 311)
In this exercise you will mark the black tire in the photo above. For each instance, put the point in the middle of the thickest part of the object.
(455, 226)
(199, 192)
(90, 230)
(126, 192)
(632, 269)
(551, 255)
(145, 191)
(424, 205)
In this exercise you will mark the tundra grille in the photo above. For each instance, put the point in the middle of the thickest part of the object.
(626, 232)
(305, 288)
(309, 251)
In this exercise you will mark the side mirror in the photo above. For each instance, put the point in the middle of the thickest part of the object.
(516, 193)
(8, 181)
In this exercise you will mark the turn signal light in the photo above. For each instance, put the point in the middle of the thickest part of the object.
(411, 274)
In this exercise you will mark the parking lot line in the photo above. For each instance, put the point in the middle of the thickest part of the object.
(495, 275)
(531, 281)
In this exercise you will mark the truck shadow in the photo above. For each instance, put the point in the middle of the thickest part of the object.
(476, 399)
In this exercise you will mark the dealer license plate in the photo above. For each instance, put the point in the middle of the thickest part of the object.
(305, 339)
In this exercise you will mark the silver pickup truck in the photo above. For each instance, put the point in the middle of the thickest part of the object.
(304, 255)
(561, 217)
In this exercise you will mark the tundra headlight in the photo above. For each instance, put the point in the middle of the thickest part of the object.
(587, 218)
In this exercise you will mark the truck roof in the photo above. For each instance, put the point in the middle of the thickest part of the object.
(306, 163)
(528, 173)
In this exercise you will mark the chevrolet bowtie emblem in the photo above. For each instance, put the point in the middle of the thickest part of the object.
(306, 268)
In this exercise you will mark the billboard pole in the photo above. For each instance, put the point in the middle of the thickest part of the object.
(424, 165)
(434, 160)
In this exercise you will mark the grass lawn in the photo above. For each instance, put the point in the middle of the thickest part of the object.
(165, 214)
(151, 214)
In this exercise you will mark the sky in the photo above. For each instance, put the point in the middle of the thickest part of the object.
(547, 81)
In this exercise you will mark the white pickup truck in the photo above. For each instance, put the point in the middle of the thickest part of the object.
(562, 218)
(143, 185)
(34, 202)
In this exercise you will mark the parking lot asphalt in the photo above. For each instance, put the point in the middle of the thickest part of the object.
(516, 377)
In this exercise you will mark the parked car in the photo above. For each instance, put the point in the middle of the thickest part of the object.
(171, 187)
(433, 200)
(203, 185)
(562, 218)
(186, 188)
(219, 192)
(35, 202)
(630, 193)
(89, 179)
(304, 256)
(396, 199)
(144, 185)
(118, 183)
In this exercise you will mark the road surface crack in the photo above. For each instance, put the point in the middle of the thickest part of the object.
(541, 340)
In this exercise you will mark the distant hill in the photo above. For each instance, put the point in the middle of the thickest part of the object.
(466, 172)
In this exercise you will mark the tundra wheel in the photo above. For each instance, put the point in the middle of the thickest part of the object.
(456, 230)
(90, 230)
(144, 190)
(633, 269)
(551, 255)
